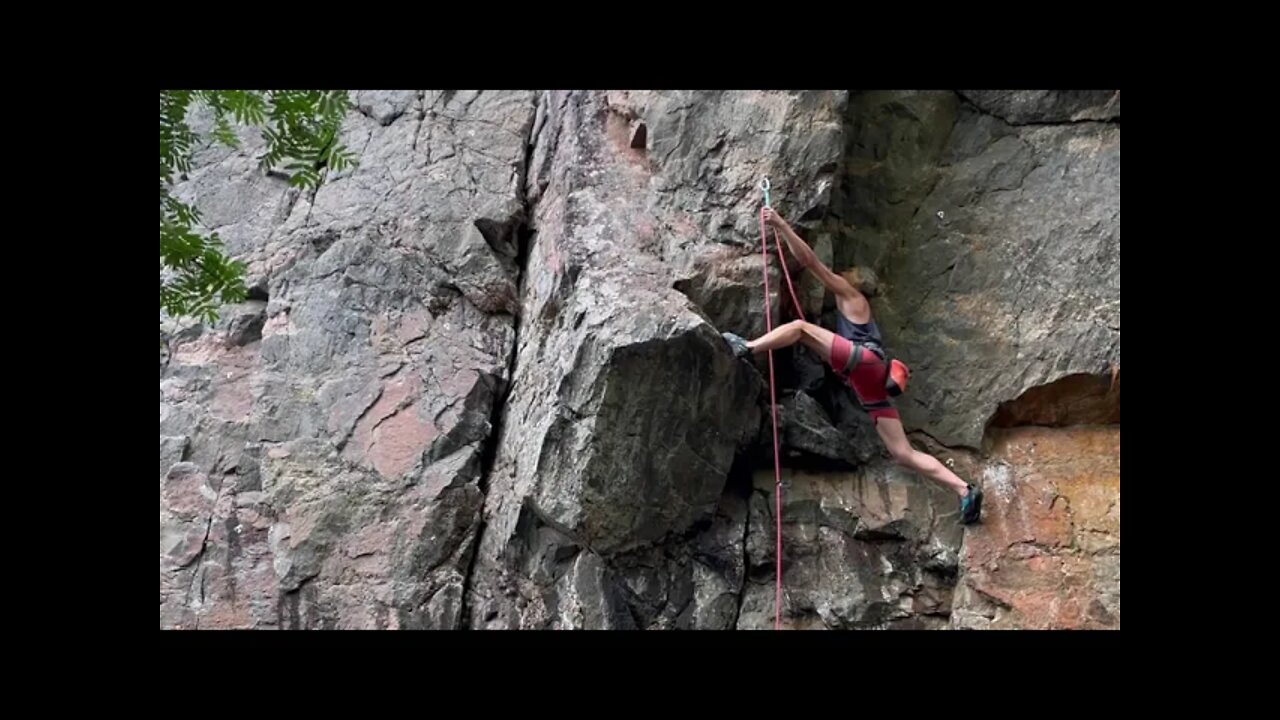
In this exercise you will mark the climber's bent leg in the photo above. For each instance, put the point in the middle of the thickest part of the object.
(815, 337)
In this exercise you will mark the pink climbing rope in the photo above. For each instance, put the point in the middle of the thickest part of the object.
(773, 406)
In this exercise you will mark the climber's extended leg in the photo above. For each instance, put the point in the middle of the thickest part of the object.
(815, 337)
(895, 439)
(866, 379)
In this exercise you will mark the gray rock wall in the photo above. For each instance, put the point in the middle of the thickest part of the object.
(479, 381)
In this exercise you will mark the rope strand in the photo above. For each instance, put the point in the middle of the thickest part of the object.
(773, 406)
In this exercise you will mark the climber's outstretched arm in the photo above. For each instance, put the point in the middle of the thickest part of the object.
(808, 258)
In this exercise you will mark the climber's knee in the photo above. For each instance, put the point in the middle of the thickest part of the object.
(895, 441)
(903, 455)
(815, 337)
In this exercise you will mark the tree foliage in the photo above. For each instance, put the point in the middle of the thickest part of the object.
(300, 128)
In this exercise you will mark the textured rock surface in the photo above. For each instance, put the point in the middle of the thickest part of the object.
(808, 429)
(1048, 555)
(627, 411)
(1021, 107)
(333, 434)
(871, 549)
(479, 380)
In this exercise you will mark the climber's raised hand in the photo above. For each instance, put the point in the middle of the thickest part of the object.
(774, 219)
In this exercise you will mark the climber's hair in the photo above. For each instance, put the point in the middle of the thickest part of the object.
(863, 280)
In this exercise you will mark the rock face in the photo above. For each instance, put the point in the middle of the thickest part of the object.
(871, 549)
(329, 443)
(627, 412)
(1025, 107)
(1048, 557)
(479, 381)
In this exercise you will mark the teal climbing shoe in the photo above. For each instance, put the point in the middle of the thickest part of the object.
(971, 505)
(737, 344)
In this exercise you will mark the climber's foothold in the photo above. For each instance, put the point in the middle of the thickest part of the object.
(764, 185)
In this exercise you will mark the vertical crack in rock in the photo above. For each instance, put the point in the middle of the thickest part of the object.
(198, 575)
(746, 554)
(523, 232)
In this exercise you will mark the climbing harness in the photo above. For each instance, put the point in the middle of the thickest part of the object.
(773, 398)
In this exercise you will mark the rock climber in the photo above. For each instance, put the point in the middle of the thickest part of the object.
(864, 374)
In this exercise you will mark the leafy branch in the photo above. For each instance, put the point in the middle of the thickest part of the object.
(301, 129)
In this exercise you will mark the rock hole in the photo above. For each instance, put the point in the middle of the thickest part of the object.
(639, 137)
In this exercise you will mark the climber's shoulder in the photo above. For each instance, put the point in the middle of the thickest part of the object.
(854, 306)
